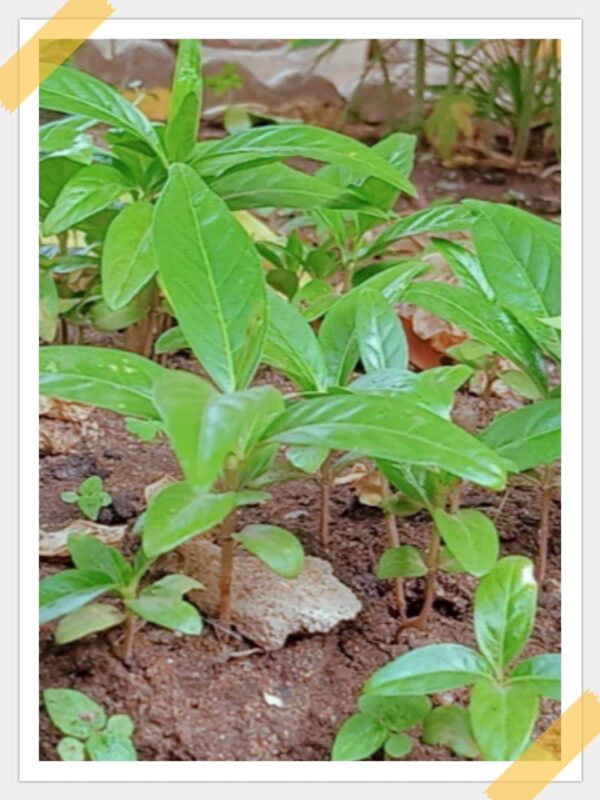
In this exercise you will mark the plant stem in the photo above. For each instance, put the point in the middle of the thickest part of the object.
(451, 63)
(431, 561)
(454, 498)
(526, 110)
(129, 628)
(325, 478)
(393, 538)
(227, 553)
(547, 486)
(417, 104)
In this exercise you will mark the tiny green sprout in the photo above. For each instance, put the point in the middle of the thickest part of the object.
(89, 735)
(90, 497)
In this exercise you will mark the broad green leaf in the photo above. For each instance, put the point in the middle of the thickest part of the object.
(441, 218)
(279, 549)
(185, 101)
(529, 437)
(337, 334)
(171, 341)
(395, 713)
(179, 512)
(89, 553)
(59, 135)
(107, 746)
(450, 727)
(433, 388)
(161, 603)
(277, 185)
(145, 429)
(73, 713)
(127, 257)
(471, 537)
(49, 307)
(427, 670)
(291, 346)
(381, 339)
(308, 459)
(314, 299)
(70, 749)
(502, 719)
(359, 737)
(541, 673)
(99, 376)
(471, 352)
(464, 265)
(69, 590)
(401, 562)
(89, 619)
(398, 746)
(276, 142)
(485, 321)
(521, 383)
(504, 610)
(392, 428)
(181, 399)
(90, 190)
(416, 483)
(520, 256)
(74, 92)
(212, 278)
(105, 318)
(54, 173)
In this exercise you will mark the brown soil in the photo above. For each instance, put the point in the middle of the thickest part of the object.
(197, 698)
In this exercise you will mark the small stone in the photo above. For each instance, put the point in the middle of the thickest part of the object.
(273, 700)
(265, 607)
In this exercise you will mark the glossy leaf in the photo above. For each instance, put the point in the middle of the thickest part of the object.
(291, 346)
(99, 376)
(73, 713)
(127, 258)
(337, 334)
(450, 727)
(529, 436)
(471, 537)
(505, 605)
(170, 341)
(359, 737)
(90, 190)
(161, 603)
(107, 746)
(212, 278)
(541, 673)
(395, 713)
(392, 428)
(49, 307)
(381, 339)
(89, 553)
(280, 186)
(401, 562)
(502, 719)
(70, 589)
(91, 618)
(308, 459)
(427, 670)
(179, 512)
(483, 320)
(521, 383)
(279, 549)
(185, 101)
(464, 265)
(74, 92)
(275, 142)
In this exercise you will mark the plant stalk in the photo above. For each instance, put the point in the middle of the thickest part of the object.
(419, 94)
(226, 573)
(431, 561)
(325, 480)
(547, 486)
(129, 628)
(526, 110)
(393, 538)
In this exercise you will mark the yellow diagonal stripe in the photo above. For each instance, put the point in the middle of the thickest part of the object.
(53, 43)
(550, 753)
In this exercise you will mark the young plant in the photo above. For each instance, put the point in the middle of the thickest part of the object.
(503, 695)
(381, 722)
(89, 735)
(90, 497)
(70, 595)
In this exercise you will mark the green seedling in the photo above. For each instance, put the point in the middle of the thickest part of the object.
(503, 695)
(89, 734)
(70, 595)
(90, 497)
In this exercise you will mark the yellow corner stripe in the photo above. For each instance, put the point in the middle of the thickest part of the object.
(550, 753)
(53, 43)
